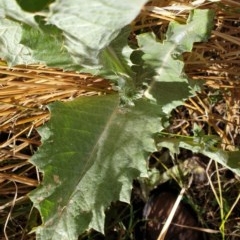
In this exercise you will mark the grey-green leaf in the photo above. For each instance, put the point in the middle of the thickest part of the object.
(166, 58)
(47, 45)
(12, 18)
(229, 160)
(92, 150)
(10, 9)
(10, 48)
(89, 26)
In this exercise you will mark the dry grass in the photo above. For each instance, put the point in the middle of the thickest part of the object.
(25, 92)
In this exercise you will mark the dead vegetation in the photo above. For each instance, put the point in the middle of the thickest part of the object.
(25, 92)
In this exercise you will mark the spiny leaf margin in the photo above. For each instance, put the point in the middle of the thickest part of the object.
(165, 58)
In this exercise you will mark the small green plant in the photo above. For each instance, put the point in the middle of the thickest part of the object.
(93, 147)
